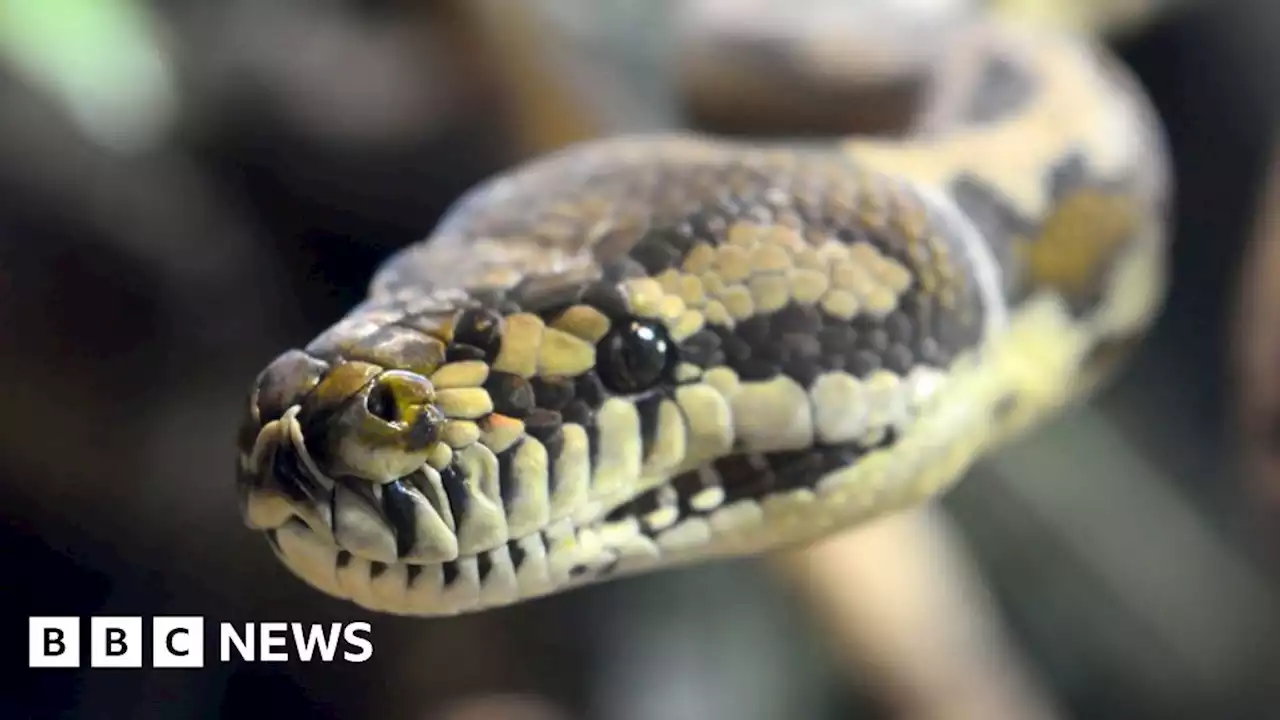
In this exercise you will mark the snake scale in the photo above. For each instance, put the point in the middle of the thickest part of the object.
(652, 350)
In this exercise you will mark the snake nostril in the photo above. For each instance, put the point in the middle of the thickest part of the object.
(381, 403)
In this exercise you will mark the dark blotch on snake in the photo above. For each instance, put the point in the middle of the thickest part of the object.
(452, 479)
(899, 327)
(459, 352)
(517, 554)
(898, 359)
(546, 295)
(552, 393)
(1003, 90)
(1071, 173)
(647, 409)
(507, 474)
(479, 328)
(800, 319)
(449, 572)
(862, 363)
(484, 565)
(702, 349)
(425, 428)
(804, 358)
(286, 468)
(755, 330)
(637, 507)
(580, 413)
(743, 478)
(376, 568)
(606, 298)
(998, 222)
(398, 508)
(511, 394)
(736, 350)
(343, 559)
(546, 426)
(588, 388)
(765, 352)
(741, 355)
(837, 338)
(689, 484)
(658, 250)
(800, 468)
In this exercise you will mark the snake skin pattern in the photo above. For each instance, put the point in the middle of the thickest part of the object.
(646, 351)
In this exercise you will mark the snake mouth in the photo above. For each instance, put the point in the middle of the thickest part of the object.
(427, 543)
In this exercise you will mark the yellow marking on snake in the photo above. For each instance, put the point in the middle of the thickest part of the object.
(499, 432)
(460, 433)
(464, 403)
(521, 340)
(561, 354)
(644, 296)
(439, 456)
(688, 323)
(584, 322)
(468, 373)
(1078, 236)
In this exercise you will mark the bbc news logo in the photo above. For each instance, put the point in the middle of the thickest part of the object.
(179, 642)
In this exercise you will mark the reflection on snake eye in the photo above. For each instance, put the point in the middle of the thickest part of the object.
(634, 356)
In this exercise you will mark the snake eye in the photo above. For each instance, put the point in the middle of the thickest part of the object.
(634, 356)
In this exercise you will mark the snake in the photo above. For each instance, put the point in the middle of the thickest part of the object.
(656, 350)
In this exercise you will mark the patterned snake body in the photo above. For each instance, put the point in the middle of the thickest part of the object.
(646, 351)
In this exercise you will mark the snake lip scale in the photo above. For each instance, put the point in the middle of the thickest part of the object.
(653, 350)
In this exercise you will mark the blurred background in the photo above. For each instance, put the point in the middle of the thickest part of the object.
(188, 187)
